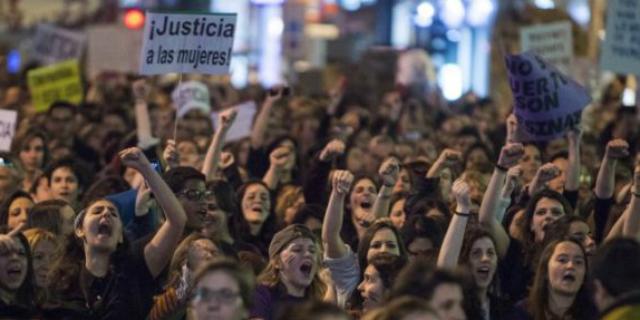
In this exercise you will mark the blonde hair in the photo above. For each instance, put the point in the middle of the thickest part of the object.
(36, 235)
(286, 198)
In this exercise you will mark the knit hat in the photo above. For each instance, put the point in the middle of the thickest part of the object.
(285, 236)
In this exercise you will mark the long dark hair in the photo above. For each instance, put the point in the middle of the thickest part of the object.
(66, 268)
(6, 204)
(240, 226)
(471, 236)
(25, 138)
(582, 307)
(24, 294)
(365, 244)
(532, 248)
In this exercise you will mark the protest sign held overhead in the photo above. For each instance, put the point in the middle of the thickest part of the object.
(546, 102)
(241, 127)
(58, 82)
(553, 42)
(104, 56)
(187, 43)
(621, 48)
(53, 44)
(8, 119)
(191, 95)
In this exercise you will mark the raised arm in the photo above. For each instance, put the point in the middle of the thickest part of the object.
(446, 159)
(159, 250)
(632, 222)
(389, 171)
(141, 92)
(509, 156)
(605, 183)
(452, 243)
(170, 155)
(278, 159)
(315, 181)
(546, 173)
(333, 244)
(212, 159)
(260, 125)
(572, 183)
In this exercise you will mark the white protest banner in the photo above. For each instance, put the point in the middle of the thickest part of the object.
(621, 48)
(115, 54)
(8, 119)
(553, 42)
(191, 95)
(187, 43)
(546, 102)
(52, 44)
(241, 127)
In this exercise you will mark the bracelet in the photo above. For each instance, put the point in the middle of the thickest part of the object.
(501, 168)
(466, 215)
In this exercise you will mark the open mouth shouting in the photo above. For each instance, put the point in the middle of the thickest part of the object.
(483, 273)
(105, 229)
(306, 269)
(15, 274)
(569, 278)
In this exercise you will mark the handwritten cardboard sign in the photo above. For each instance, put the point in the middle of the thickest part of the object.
(546, 102)
(53, 44)
(553, 42)
(58, 82)
(187, 43)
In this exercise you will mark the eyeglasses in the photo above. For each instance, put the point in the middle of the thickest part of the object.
(224, 296)
(195, 195)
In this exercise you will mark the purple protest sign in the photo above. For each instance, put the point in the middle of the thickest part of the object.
(546, 102)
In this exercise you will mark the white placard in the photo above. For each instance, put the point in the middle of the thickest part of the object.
(53, 44)
(553, 42)
(8, 119)
(293, 14)
(113, 48)
(621, 48)
(243, 123)
(191, 95)
(187, 43)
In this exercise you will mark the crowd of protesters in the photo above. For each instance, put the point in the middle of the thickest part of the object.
(338, 206)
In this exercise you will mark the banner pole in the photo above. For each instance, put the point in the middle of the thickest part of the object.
(175, 124)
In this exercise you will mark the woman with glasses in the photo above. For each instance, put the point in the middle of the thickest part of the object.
(222, 291)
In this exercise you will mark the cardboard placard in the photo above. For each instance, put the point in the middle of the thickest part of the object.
(191, 95)
(116, 54)
(621, 48)
(547, 103)
(187, 43)
(553, 42)
(58, 82)
(241, 127)
(8, 120)
(52, 44)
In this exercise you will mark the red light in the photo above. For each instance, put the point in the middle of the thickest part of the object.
(134, 19)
